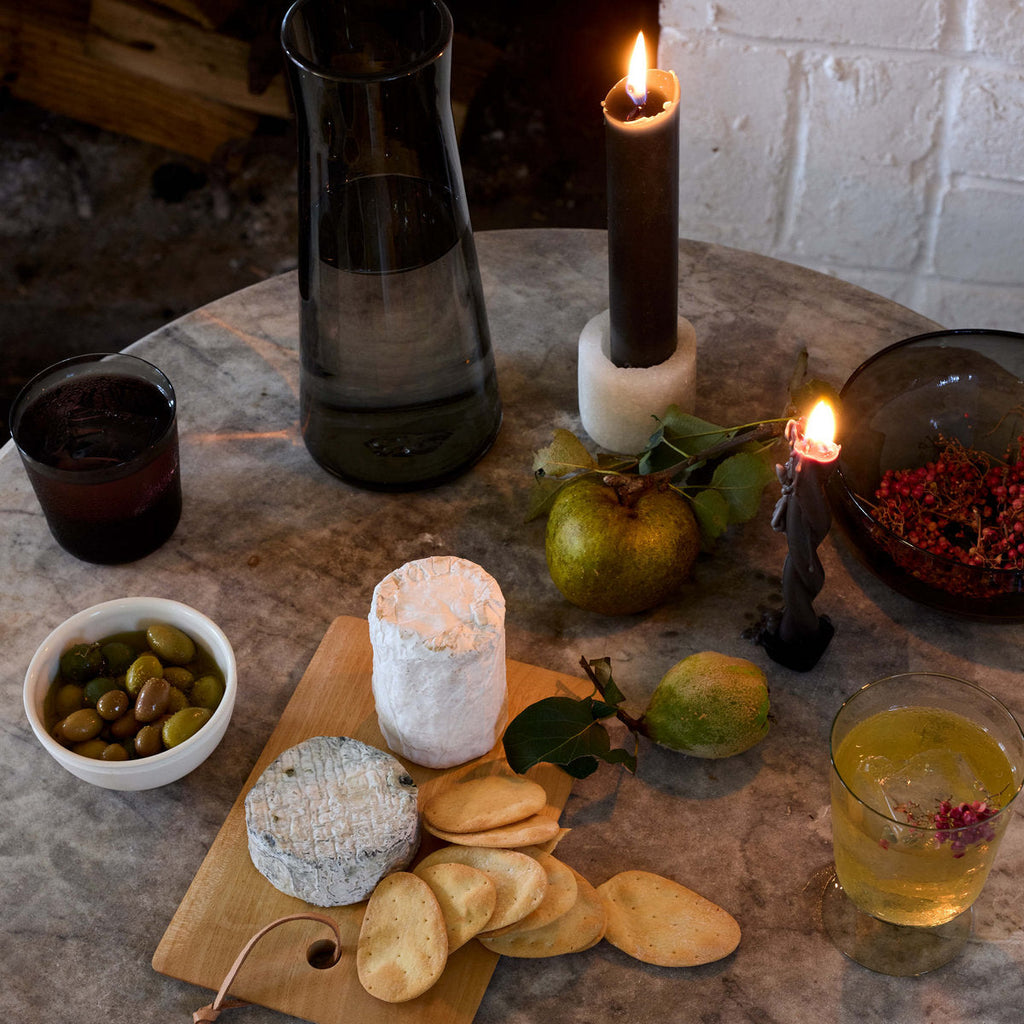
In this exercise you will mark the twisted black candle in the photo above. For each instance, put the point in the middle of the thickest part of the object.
(799, 636)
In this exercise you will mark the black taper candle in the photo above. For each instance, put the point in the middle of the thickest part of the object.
(798, 637)
(642, 147)
(807, 522)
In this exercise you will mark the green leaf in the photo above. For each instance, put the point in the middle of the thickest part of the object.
(741, 479)
(602, 669)
(680, 436)
(542, 496)
(566, 454)
(620, 756)
(690, 434)
(561, 731)
(712, 513)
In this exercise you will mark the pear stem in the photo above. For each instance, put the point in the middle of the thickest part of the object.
(635, 725)
(630, 485)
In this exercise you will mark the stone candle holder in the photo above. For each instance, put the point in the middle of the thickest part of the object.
(617, 404)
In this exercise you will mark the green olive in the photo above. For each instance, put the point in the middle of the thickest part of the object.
(207, 692)
(95, 688)
(124, 727)
(170, 643)
(114, 752)
(180, 677)
(118, 657)
(145, 666)
(184, 724)
(148, 741)
(81, 662)
(91, 748)
(112, 705)
(176, 700)
(152, 699)
(81, 725)
(69, 698)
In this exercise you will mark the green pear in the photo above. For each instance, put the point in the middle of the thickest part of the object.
(709, 705)
(620, 547)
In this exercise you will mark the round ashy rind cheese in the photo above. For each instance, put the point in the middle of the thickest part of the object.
(329, 818)
(437, 629)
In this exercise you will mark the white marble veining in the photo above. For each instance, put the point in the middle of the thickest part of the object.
(273, 548)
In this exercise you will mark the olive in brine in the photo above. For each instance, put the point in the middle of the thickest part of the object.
(81, 662)
(207, 692)
(70, 697)
(118, 657)
(145, 666)
(95, 688)
(80, 725)
(180, 677)
(176, 701)
(112, 705)
(152, 699)
(170, 643)
(125, 726)
(91, 748)
(183, 725)
(148, 741)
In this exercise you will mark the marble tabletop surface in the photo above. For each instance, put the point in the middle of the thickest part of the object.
(273, 549)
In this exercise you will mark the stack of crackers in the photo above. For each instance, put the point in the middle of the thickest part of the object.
(499, 883)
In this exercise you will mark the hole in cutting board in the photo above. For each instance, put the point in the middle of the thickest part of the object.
(322, 954)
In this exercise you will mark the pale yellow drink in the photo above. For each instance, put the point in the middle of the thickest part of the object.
(898, 853)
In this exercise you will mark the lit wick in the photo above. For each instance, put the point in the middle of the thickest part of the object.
(799, 636)
(636, 79)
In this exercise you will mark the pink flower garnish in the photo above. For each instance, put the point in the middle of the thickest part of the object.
(964, 825)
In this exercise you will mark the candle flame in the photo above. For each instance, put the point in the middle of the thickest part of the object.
(821, 424)
(636, 80)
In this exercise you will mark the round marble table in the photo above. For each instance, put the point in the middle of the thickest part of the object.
(273, 548)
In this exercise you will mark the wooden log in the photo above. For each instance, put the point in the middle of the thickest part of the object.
(179, 55)
(45, 63)
(208, 14)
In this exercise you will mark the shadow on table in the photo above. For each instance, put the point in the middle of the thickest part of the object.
(988, 644)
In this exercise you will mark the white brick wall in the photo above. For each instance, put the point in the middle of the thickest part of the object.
(881, 141)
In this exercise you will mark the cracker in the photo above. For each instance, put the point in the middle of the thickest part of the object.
(519, 879)
(484, 803)
(579, 928)
(467, 897)
(538, 828)
(659, 921)
(402, 947)
(558, 898)
(549, 846)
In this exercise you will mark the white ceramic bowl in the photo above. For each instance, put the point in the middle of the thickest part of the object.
(124, 615)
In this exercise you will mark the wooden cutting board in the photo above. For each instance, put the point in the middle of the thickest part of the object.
(229, 900)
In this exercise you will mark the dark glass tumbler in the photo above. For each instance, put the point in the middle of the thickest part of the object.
(98, 436)
(397, 387)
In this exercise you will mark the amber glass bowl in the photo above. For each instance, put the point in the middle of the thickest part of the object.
(962, 384)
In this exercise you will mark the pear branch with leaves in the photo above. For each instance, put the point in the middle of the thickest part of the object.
(568, 731)
(721, 471)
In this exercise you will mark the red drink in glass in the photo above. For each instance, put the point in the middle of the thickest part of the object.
(99, 440)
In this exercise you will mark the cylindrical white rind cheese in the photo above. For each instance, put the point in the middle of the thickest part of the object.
(437, 628)
(329, 818)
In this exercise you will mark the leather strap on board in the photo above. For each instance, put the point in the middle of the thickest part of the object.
(212, 1011)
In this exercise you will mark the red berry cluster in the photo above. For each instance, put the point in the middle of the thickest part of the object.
(964, 824)
(964, 505)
